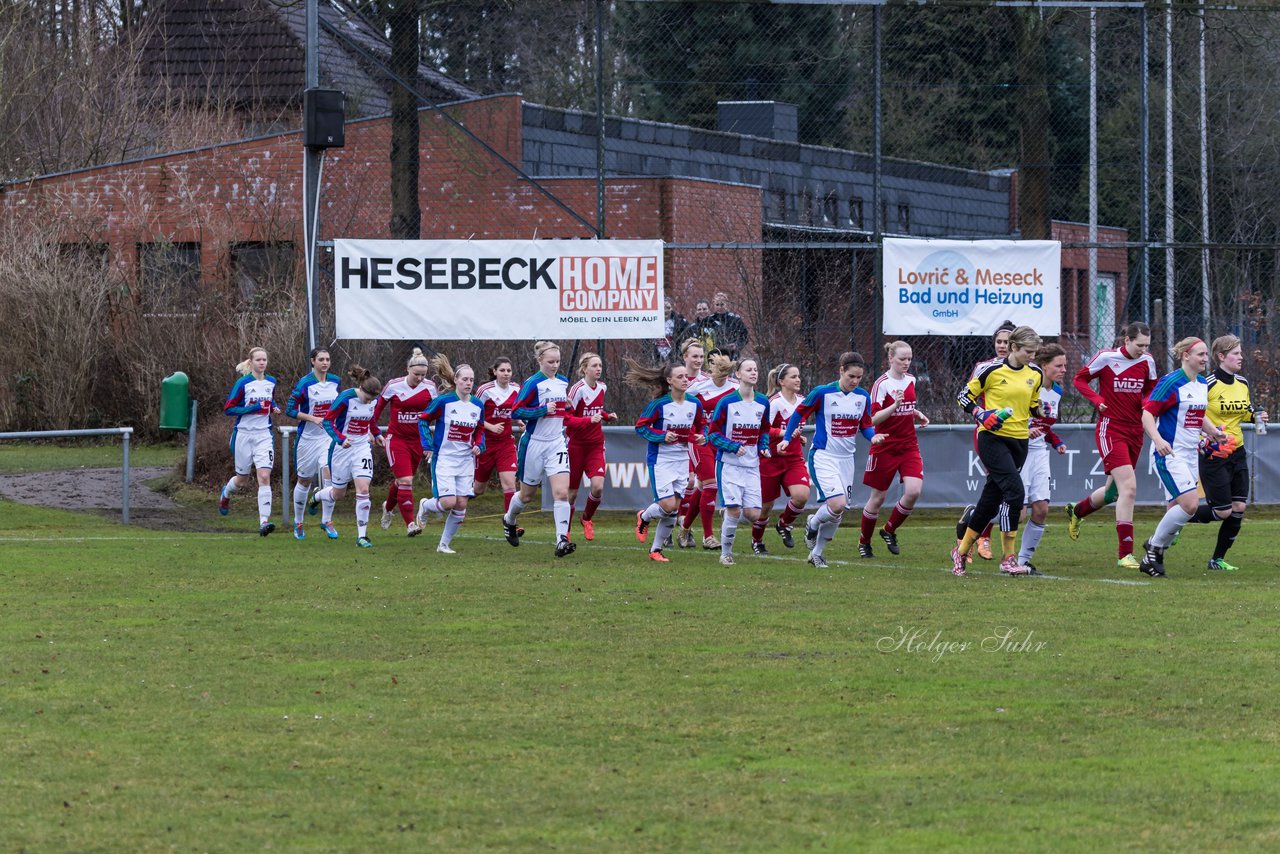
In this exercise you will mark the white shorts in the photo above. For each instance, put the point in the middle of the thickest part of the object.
(668, 479)
(537, 459)
(310, 455)
(1035, 477)
(1177, 475)
(833, 475)
(252, 449)
(739, 486)
(347, 464)
(453, 477)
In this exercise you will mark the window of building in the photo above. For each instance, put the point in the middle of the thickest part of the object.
(904, 218)
(263, 274)
(830, 209)
(779, 205)
(857, 217)
(169, 275)
(806, 206)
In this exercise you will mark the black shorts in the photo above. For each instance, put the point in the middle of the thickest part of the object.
(1225, 480)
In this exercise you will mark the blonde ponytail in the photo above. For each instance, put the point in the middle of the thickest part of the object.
(246, 367)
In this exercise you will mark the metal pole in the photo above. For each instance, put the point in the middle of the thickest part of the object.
(311, 174)
(1205, 302)
(286, 501)
(1168, 186)
(1144, 177)
(877, 128)
(191, 445)
(600, 138)
(124, 466)
(1093, 178)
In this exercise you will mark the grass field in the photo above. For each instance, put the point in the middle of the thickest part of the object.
(164, 689)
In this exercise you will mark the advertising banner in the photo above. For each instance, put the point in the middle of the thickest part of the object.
(970, 287)
(499, 289)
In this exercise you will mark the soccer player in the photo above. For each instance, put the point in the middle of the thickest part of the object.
(781, 473)
(841, 410)
(1125, 376)
(543, 452)
(739, 431)
(499, 399)
(709, 391)
(451, 430)
(671, 423)
(250, 401)
(1009, 391)
(352, 424)
(1000, 343)
(1174, 417)
(693, 353)
(1052, 361)
(309, 403)
(586, 438)
(1224, 470)
(894, 416)
(407, 397)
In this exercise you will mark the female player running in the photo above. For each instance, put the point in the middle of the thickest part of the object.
(1010, 392)
(543, 452)
(1174, 417)
(499, 399)
(1125, 376)
(841, 410)
(407, 397)
(671, 423)
(352, 424)
(717, 384)
(250, 401)
(309, 403)
(452, 431)
(782, 472)
(739, 431)
(694, 355)
(1052, 361)
(586, 438)
(894, 415)
(1224, 472)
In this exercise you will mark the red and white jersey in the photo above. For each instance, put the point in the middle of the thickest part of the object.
(899, 429)
(498, 403)
(585, 402)
(406, 403)
(708, 394)
(780, 412)
(1123, 383)
(351, 418)
(1050, 403)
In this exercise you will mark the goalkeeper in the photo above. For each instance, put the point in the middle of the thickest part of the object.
(1011, 390)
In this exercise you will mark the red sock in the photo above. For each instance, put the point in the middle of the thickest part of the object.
(789, 514)
(407, 508)
(897, 517)
(986, 532)
(708, 509)
(593, 504)
(392, 492)
(868, 527)
(1084, 508)
(758, 528)
(572, 508)
(1124, 533)
(690, 507)
(506, 501)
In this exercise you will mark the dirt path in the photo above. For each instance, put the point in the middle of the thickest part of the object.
(83, 489)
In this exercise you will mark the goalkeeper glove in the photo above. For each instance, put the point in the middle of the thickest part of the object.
(993, 419)
(1226, 447)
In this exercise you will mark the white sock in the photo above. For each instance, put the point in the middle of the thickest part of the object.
(264, 504)
(451, 525)
(823, 515)
(1031, 535)
(826, 533)
(230, 487)
(363, 504)
(728, 530)
(653, 511)
(514, 510)
(299, 502)
(1174, 518)
(561, 511)
(326, 504)
(666, 524)
(431, 505)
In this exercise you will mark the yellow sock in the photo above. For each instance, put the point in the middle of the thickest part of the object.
(1009, 540)
(966, 542)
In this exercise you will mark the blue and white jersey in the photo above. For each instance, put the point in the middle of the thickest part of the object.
(737, 423)
(662, 416)
(351, 418)
(1178, 403)
(314, 397)
(250, 402)
(839, 416)
(538, 393)
(451, 427)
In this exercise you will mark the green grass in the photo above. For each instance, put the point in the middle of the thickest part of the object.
(26, 456)
(218, 691)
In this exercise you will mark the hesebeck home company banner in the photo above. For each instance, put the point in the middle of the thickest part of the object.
(970, 287)
(474, 289)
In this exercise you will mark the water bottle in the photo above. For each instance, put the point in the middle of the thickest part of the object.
(1260, 428)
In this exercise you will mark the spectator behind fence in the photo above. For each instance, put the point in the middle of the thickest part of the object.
(673, 324)
(731, 329)
(703, 327)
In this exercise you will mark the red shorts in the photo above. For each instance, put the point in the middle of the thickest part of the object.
(499, 456)
(585, 459)
(1117, 445)
(403, 456)
(779, 474)
(705, 466)
(883, 465)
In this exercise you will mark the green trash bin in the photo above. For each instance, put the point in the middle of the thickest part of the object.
(175, 402)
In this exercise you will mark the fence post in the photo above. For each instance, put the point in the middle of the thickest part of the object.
(191, 445)
(286, 495)
(124, 467)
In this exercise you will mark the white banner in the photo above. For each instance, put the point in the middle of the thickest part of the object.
(477, 289)
(970, 287)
